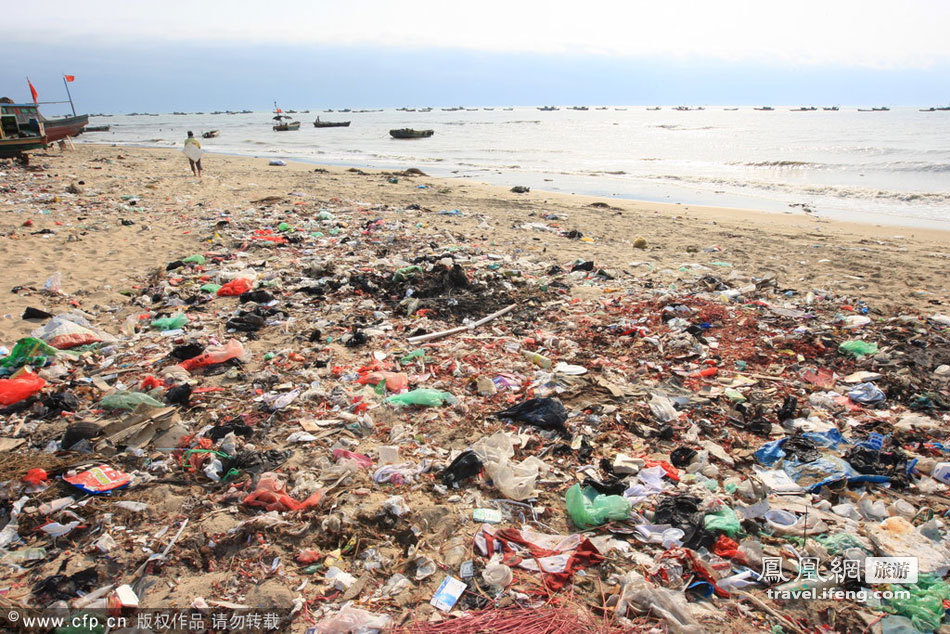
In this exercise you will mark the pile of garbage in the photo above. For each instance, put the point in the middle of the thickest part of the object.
(340, 412)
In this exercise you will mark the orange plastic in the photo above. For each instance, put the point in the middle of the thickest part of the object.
(215, 354)
(23, 386)
(395, 381)
(235, 287)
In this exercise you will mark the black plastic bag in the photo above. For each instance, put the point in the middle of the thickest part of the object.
(546, 413)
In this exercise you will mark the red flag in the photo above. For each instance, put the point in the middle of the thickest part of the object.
(279, 110)
(70, 77)
(32, 90)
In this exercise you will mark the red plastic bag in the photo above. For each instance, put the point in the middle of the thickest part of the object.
(270, 495)
(216, 354)
(235, 287)
(395, 381)
(35, 477)
(23, 386)
(726, 547)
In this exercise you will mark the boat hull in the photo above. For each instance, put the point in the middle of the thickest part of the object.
(409, 133)
(60, 128)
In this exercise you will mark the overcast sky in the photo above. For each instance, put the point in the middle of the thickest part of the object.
(701, 51)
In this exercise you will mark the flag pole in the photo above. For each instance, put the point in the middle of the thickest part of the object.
(65, 83)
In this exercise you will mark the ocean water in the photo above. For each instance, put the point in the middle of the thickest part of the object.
(883, 167)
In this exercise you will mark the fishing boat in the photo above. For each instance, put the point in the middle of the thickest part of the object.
(765, 108)
(547, 108)
(881, 109)
(284, 122)
(330, 124)
(409, 133)
(804, 109)
(96, 128)
(17, 138)
(581, 108)
(831, 109)
(730, 109)
(653, 108)
(210, 134)
(56, 129)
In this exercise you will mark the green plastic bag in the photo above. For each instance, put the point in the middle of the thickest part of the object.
(418, 353)
(195, 259)
(128, 400)
(857, 348)
(403, 274)
(284, 227)
(723, 520)
(925, 606)
(588, 508)
(325, 215)
(210, 288)
(422, 396)
(28, 351)
(174, 322)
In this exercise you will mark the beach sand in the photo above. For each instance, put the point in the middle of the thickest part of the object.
(891, 269)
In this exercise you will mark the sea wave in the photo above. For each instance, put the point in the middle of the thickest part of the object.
(835, 191)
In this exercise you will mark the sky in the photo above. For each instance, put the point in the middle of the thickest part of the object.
(209, 54)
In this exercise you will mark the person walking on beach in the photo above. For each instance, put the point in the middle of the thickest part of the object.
(193, 152)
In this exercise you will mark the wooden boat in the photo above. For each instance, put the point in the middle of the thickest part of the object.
(409, 133)
(17, 138)
(681, 108)
(282, 125)
(730, 109)
(881, 109)
(579, 108)
(210, 134)
(56, 129)
(765, 108)
(653, 108)
(330, 124)
(96, 128)
(547, 108)
(831, 109)
(804, 109)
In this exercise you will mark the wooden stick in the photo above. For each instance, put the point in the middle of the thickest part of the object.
(787, 622)
(453, 331)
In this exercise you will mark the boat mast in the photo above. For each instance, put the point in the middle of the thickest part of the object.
(65, 83)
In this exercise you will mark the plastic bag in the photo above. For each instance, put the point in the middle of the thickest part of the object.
(350, 620)
(466, 465)
(101, 479)
(867, 394)
(723, 520)
(663, 409)
(270, 495)
(857, 348)
(587, 508)
(235, 287)
(515, 481)
(215, 354)
(925, 605)
(128, 400)
(395, 381)
(210, 288)
(23, 386)
(546, 413)
(27, 351)
(174, 322)
(422, 396)
(63, 333)
(195, 259)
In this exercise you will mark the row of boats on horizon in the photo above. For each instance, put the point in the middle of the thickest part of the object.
(540, 108)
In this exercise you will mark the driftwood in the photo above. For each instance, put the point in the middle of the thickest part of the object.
(453, 331)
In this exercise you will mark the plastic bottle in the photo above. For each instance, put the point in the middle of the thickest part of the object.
(588, 508)
(25, 385)
(538, 359)
(215, 354)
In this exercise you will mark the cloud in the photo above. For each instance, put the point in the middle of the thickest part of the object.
(868, 33)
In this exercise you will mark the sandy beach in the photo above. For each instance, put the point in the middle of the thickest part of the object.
(347, 266)
(891, 269)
